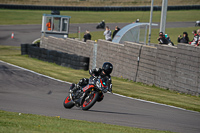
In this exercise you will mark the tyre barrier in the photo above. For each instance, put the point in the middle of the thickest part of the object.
(105, 8)
(24, 49)
(57, 57)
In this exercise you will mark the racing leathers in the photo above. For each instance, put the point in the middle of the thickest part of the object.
(106, 79)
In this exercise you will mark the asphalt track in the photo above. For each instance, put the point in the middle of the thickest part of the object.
(28, 33)
(27, 92)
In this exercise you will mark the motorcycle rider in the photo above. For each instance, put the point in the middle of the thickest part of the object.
(101, 73)
(104, 74)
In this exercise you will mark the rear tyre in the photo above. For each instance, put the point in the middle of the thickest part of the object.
(68, 104)
(89, 100)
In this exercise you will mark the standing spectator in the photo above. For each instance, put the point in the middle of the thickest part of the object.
(87, 36)
(184, 39)
(198, 41)
(48, 25)
(115, 32)
(107, 33)
(162, 39)
(195, 39)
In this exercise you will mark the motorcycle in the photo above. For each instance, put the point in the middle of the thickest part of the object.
(197, 23)
(87, 95)
(101, 25)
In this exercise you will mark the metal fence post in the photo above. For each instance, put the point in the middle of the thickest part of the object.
(79, 33)
(145, 35)
(94, 55)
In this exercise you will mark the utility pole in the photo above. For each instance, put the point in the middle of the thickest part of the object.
(163, 16)
(150, 22)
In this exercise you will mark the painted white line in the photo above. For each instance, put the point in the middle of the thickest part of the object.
(155, 103)
(113, 93)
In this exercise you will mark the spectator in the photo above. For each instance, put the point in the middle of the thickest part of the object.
(87, 36)
(162, 39)
(115, 32)
(195, 39)
(184, 39)
(137, 20)
(49, 25)
(198, 32)
(169, 40)
(107, 34)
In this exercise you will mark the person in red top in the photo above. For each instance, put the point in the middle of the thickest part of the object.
(198, 41)
(49, 25)
(195, 39)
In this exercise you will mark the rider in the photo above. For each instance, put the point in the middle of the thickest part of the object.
(102, 73)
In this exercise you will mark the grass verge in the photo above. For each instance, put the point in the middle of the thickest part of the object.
(14, 17)
(17, 122)
(121, 86)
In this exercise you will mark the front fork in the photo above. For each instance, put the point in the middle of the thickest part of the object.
(77, 102)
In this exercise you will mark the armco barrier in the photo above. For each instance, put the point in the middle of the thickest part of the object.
(60, 58)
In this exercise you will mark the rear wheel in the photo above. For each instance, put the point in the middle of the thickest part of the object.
(68, 103)
(89, 100)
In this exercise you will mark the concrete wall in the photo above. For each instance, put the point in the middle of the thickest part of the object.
(175, 68)
(187, 69)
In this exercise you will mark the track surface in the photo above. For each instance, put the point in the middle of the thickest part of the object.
(28, 33)
(26, 92)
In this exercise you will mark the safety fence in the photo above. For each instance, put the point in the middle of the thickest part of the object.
(64, 59)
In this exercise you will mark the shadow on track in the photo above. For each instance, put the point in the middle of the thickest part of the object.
(119, 113)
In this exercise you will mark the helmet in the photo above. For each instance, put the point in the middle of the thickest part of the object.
(107, 68)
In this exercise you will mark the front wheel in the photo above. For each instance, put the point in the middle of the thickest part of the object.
(89, 100)
(68, 103)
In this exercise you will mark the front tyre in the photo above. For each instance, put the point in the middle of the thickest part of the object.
(89, 100)
(68, 104)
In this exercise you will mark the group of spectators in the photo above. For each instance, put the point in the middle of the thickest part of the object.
(194, 42)
(107, 33)
(164, 39)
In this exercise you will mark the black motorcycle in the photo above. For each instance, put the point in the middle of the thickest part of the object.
(197, 23)
(101, 25)
(85, 96)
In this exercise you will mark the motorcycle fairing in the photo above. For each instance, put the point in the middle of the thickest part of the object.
(87, 87)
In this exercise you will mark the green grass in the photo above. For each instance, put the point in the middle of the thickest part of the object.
(121, 86)
(10, 17)
(28, 123)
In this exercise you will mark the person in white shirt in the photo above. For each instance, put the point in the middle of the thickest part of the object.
(107, 33)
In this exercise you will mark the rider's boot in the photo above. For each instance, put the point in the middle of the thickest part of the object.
(74, 87)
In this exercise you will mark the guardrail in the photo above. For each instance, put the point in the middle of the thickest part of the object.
(53, 56)
(106, 8)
